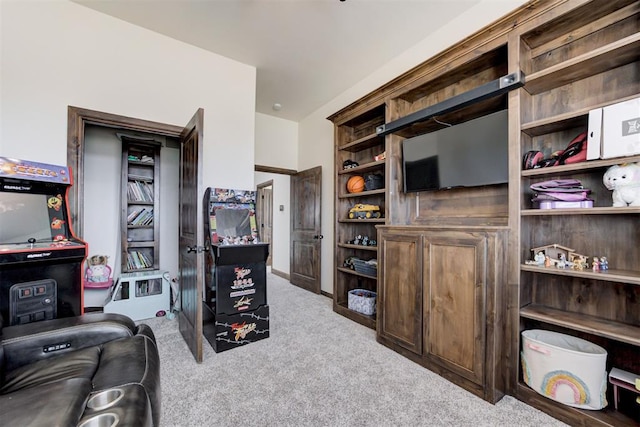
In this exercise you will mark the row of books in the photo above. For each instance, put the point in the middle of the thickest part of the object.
(137, 260)
(138, 191)
(143, 158)
(142, 216)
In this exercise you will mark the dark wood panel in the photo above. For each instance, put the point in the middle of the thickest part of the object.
(305, 244)
(454, 270)
(400, 290)
(191, 235)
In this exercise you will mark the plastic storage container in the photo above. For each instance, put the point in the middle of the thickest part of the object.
(564, 368)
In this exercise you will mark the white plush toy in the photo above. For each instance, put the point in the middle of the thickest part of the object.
(624, 180)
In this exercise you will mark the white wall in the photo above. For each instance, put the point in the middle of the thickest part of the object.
(316, 133)
(277, 146)
(57, 53)
(276, 142)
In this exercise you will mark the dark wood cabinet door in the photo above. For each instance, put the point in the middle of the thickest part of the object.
(455, 284)
(400, 290)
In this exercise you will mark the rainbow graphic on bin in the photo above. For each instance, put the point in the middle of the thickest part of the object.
(554, 379)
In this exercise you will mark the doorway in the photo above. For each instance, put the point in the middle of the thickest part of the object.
(191, 275)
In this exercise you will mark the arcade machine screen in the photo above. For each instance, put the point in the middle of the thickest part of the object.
(24, 216)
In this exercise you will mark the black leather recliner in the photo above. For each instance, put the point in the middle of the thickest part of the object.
(94, 369)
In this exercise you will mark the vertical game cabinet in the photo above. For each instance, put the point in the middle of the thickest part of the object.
(235, 310)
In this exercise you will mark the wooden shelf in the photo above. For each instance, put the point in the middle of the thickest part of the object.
(617, 331)
(363, 319)
(572, 119)
(363, 221)
(361, 194)
(358, 247)
(618, 53)
(364, 168)
(576, 167)
(355, 273)
(604, 417)
(622, 276)
(582, 211)
(365, 142)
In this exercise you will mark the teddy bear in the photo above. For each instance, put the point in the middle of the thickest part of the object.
(624, 180)
(98, 271)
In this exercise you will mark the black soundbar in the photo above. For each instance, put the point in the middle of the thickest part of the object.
(488, 90)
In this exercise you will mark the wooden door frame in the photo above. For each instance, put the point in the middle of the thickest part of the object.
(77, 120)
(260, 202)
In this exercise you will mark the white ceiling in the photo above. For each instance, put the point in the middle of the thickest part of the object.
(306, 52)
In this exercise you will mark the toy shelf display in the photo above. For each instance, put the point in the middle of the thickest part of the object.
(235, 310)
(40, 257)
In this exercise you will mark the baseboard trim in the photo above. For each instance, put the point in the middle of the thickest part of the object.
(287, 277)
(326, 294)
(280, 274)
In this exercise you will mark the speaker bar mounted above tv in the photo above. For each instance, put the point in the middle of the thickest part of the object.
(488, 90)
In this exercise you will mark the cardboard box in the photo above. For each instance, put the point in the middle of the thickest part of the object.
(594, 134)
(621, 129)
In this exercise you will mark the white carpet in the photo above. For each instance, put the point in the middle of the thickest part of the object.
(317, 368)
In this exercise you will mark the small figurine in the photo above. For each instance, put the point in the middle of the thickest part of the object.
(595, 265)
(547, 261)
(539, 258)
(562, 262)
(604, 264)
(578, 263)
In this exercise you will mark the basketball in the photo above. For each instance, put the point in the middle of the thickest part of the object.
(355, 184)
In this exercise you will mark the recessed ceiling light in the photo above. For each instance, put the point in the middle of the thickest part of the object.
(277, 107)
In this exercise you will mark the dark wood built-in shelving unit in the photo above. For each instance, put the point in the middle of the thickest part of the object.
(575, 56)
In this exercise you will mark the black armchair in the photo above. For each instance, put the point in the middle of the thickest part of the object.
(96, 369)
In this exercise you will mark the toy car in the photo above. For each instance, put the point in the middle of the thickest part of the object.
(360, 211)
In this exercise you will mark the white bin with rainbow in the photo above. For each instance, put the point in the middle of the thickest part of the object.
(564, 368)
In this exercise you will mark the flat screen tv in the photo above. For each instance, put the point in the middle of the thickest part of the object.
(469, 154)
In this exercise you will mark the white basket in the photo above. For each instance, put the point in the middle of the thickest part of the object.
(362, 301)
(564, 368)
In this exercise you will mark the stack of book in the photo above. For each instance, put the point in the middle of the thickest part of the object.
(137, 260)
(140, 217)
(139, 191)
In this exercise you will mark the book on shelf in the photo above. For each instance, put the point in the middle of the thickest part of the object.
(141, 216)
(138, 191)
(137, 260)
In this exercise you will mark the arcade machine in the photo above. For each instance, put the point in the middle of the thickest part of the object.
(235, 310)
(40, 258)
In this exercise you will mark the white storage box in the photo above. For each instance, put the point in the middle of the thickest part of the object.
(621, 129)
(362, 301)
(564, 368)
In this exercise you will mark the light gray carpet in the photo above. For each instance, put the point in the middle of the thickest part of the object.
(317, 368)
